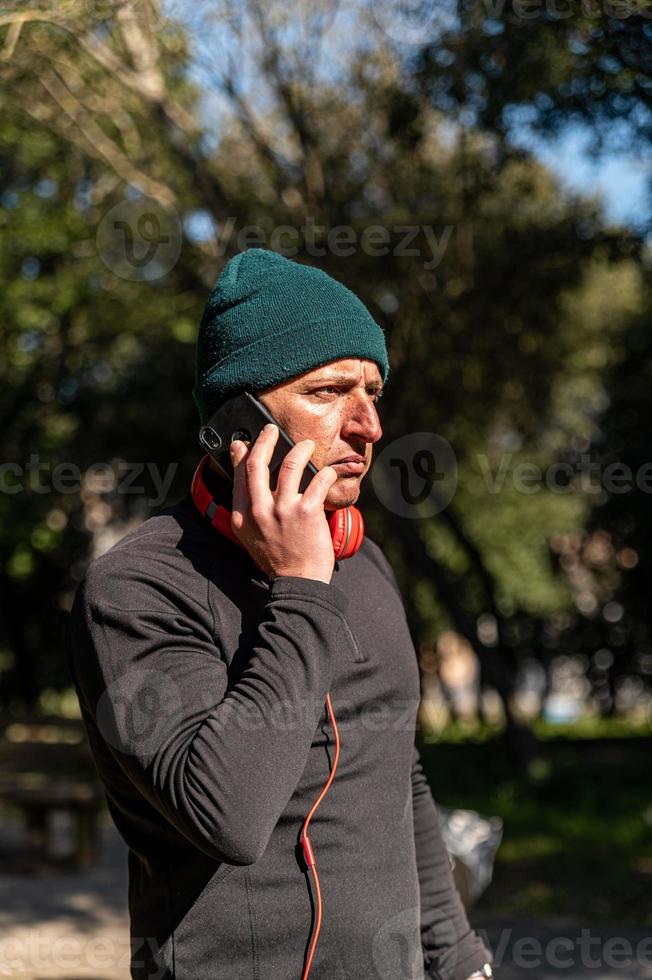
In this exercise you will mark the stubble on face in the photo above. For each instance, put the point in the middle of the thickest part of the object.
(335, 405)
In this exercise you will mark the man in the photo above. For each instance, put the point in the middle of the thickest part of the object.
(203, 665)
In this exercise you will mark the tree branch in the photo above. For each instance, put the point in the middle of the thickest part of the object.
(98, 144)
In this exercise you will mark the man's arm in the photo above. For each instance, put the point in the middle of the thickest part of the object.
(213, 755)
(452, 950)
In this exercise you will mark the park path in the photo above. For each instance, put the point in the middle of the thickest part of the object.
(66, 924)
(74, 926)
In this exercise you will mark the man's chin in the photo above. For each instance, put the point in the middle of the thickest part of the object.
(343, 493)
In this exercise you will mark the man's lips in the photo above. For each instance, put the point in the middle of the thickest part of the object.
(350, 464)
(351, 458)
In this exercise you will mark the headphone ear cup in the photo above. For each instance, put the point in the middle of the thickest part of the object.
(347, 531)
(357, 532)
(338, 525)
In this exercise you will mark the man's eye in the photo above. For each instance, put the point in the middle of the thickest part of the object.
(376, 396)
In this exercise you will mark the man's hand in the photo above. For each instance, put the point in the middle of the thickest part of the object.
(285, 532)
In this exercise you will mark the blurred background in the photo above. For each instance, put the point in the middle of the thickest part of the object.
(479, 173)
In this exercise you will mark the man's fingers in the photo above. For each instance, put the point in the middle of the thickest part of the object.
(317, 490)
(238, 451)
(251, 472)
(257, 467)
(240, 498)
(291, 469)
(251, 476)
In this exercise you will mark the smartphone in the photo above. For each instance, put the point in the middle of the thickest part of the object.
(243, 417)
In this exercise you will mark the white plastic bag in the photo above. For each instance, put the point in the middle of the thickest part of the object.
(471, 841)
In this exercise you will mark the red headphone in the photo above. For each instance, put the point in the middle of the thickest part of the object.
(346, 524)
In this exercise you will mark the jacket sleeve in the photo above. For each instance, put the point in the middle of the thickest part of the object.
(452, 950)
(218, 759)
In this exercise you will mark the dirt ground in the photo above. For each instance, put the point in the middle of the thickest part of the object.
(64, 924)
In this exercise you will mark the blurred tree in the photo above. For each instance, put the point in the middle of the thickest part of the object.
(502, 296)
(544, 64)
(548, 67)
(621, 526)
(75, 338)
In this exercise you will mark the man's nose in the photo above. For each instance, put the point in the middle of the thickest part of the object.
(362, 420)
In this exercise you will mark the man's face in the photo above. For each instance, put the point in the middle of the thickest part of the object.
(335, 405)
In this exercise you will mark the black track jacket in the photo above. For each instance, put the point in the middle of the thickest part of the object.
(202, 687)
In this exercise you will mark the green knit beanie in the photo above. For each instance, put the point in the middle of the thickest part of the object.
(268, 319)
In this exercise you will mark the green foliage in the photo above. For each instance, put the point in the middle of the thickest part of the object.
(503, 328)
(578, 825)
(545, 65)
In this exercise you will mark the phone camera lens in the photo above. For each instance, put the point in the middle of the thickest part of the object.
(210, 438)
